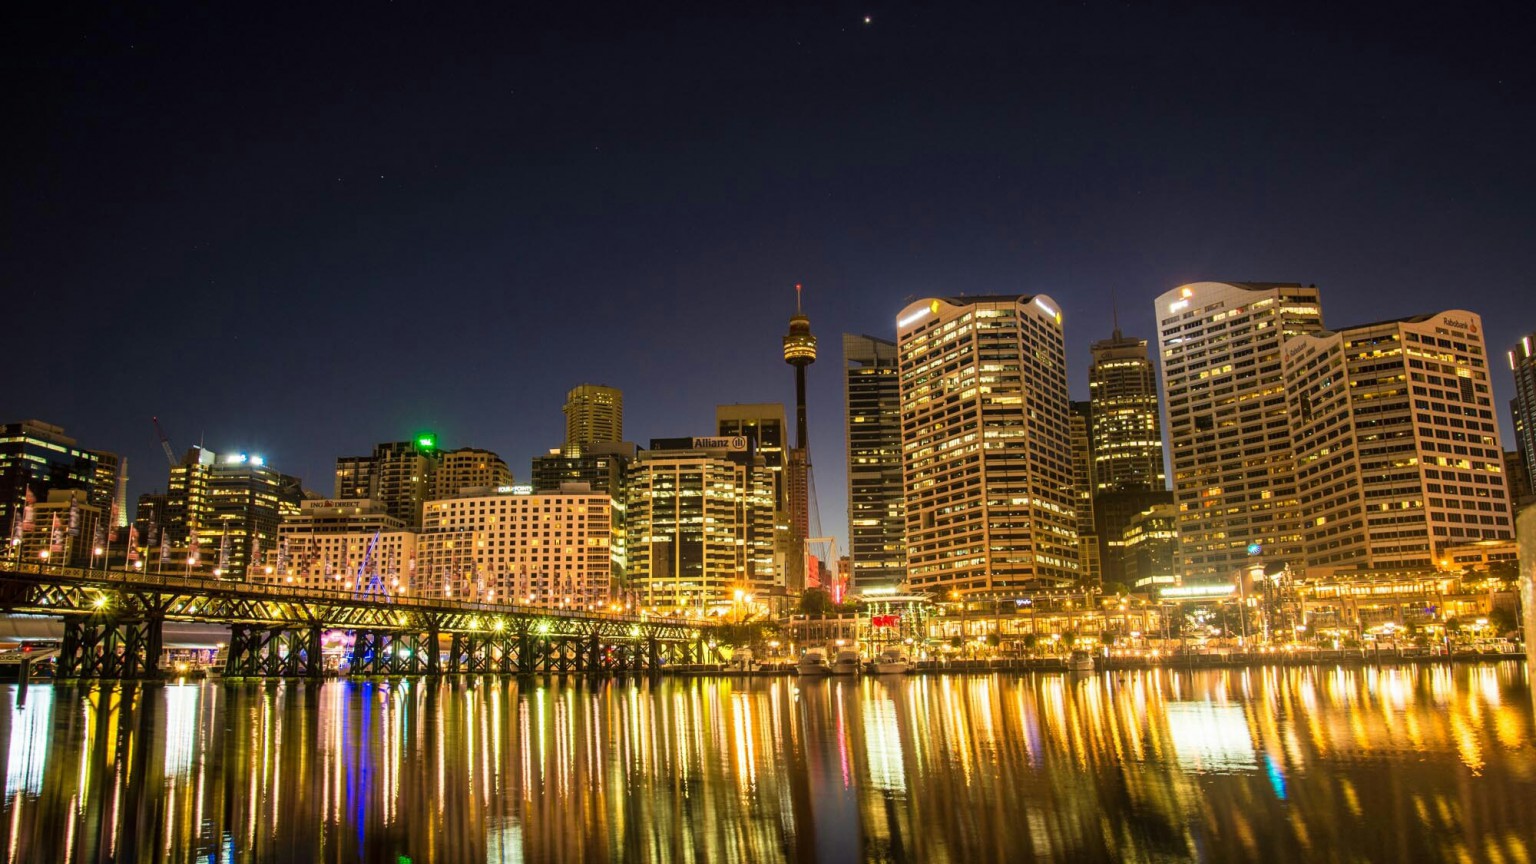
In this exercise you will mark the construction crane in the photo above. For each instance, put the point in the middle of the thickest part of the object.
(165, 443)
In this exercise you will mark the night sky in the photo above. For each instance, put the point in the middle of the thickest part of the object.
(302, 230)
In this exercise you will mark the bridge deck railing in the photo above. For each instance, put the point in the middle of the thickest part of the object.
(134, 579)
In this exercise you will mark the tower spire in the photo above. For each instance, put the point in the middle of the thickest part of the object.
(797, 299)
(1114, 312)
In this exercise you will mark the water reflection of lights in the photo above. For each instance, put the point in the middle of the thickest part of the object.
(181, 707)
(882, 744)
(28, 747)
(1210, 737)
(747, 770)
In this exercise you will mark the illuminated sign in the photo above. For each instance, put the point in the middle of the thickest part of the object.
(724, 442)
(1196, 592)
(517, 489)
(426, 442)
(884, 620)
(1255, 548)
(1177, 305)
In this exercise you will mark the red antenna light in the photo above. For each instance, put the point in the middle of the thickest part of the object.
(797, 297)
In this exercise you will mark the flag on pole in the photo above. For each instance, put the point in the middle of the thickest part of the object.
(96, 538)
(74, 516)
(192, 547)
(224, 550)
(29, 511)
(112, 522)
(56, 537)
(165, 546)
(16, 528)
(282, 555)
(133, 543)
(255, 554)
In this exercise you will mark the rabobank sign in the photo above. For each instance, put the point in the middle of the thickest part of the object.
(721, 442)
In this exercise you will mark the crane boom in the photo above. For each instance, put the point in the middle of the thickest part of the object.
(165, 443)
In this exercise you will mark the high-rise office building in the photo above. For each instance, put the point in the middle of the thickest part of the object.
(343, 545)
(546, 549)
(700, 525)
(1126, 441)
(469, 468)
(1088, 552)
(1227, 424)
(109, 487)
(594, 414)
(1127, 438)
(1148, 548)
(601, 469)
(39, 456)
(1518, 477)
(233, 505)
(986, 445)
(401, 475)
(1396, 442)
(1522, 365)
(763, 425)
(877, 521)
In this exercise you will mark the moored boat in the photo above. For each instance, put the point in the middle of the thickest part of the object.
(846, 662)
(813, 663)
(891, 661)
(1080, 661)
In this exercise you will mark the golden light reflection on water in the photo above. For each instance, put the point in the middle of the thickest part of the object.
(1407, 763)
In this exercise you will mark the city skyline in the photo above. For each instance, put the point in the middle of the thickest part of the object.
(303, 269)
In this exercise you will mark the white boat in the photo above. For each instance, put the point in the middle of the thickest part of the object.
(846, 662)
(1080, 661)
(892, 661)
(813, 663)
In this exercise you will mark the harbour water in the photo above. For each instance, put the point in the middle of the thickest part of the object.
(1317, 764)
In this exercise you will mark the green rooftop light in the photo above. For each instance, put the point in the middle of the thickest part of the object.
(426, 442)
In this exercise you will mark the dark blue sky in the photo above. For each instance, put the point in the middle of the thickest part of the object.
(300, 230)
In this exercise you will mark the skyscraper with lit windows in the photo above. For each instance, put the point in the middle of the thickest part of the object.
(1228, 427)
(1396, 443)
(986, 449)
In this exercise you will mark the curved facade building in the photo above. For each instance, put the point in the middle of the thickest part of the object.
(1227, 423)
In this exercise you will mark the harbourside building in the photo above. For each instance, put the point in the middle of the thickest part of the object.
(547, 549)
(876, 507)
(1227, 421)
(700, 525)
(349, 545)
(986, 446)
(1396, 444)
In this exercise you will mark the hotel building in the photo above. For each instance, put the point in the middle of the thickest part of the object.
(1396, 442)
(549, 549)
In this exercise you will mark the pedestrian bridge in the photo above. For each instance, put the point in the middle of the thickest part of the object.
(114, 620)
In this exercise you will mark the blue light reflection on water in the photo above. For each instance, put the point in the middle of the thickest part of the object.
(1272, 764)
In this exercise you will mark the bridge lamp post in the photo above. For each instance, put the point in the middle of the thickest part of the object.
(96, 553)
(44, 562)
